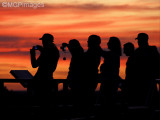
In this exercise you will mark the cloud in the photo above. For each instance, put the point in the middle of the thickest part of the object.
(58, 8)
(11, 65)
(21, 53)
(9, 38)
(9, 41)
(92, 6)
(79, 25)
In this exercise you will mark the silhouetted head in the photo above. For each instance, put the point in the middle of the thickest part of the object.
(128, 49)
(94, 41)
(75, 47)
(142, 39)
(114, 45)
(47, 39)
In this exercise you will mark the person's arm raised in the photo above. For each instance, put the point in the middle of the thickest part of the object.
(33, 58)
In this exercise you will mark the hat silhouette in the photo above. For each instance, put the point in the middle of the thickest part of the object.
(47, 36)
(142, 36)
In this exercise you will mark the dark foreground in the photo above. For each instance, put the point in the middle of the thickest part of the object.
(17, 105)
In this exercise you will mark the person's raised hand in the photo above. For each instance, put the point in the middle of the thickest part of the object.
(39, 47)
(32, 51)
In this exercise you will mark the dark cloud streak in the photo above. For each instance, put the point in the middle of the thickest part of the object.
(56, 8)
(21, 53)
(9, 38)
(91, 6)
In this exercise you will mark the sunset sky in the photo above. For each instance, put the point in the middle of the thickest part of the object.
(21, 27)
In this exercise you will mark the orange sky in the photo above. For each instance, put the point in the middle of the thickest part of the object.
(20, 27)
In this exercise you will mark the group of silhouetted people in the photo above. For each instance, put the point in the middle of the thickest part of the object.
(142, 68)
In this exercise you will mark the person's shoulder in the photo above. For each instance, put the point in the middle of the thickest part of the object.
(107, 53)
(153, 48)
(54, 47)
(148, 48)
(137, 52)
(137, 49)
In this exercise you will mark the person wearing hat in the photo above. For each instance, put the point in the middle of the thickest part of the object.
(142, 40)
(142, 85)
(46, 63)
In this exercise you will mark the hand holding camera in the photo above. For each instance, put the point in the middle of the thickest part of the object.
(34, 48)
(63, 47)
(37, 47)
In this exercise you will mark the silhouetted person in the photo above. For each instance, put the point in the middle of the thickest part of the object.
(110, 73)
(129, 51)
(91, 63)
(46, 63)
(75, 74)
(141, 83)
(76, 64)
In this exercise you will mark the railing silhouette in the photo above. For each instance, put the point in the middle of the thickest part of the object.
(63, 81)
